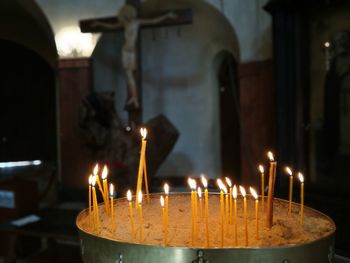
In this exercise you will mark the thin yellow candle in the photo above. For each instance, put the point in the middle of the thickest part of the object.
(290, 173)
(111, 196)
(143, 132)
(146, 180)
(262, 175)
(139, 201)
(95, 205)
(190, 183)
(205, 185)
(195, 209)
(301, 178)
(166, 192)
(222, 213)
(105, 187)
(199, 192)
(95, 173)
(229, 183)
(270, 196)
(234, 195)
(164, 221)
(226, 211)
(90, 201)
(132, 227)
(243, 193)
(255, 195)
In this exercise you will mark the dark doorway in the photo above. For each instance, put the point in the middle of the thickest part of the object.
(229, 117)
(27, 105)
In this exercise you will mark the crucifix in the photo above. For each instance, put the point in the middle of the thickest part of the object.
(130, 20)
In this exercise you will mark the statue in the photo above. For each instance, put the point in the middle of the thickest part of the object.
(131, 23)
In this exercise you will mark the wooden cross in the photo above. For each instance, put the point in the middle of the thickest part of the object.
(181, 17)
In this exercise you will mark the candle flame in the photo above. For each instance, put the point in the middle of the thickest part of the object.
(224, 188)
(228, 181)
(139, 197)
(204, 181)
(199, 191)
(93, 180)
(261, 168)
(220, 183)
(90, 179)
(111, 190)
(104, 172)
(242, 190)
(190, 183)
(270, 156)
(143, 132)
(166, 188)
(194, 183)
(162, 201)
(289, 171)
(327, 44)
(301, 177)
(234, 192)
(95, 171)
(253, 192)
(129, 196)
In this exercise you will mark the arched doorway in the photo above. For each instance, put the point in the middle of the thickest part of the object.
(228, 115)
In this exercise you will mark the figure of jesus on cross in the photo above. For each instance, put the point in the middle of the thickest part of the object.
(129, 21)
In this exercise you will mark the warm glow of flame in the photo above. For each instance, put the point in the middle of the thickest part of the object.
(220, 184)
(194, 184)
(162, 201)
(253, 192)
(261, 168)
(327, 44)
(199, 191)
(166, 188)
(104, 172)
(289, 171)
(242, 190)
(301, 177)
(143, 132)
(111, 190)
(139, 197)
(129, 196)
(270, 156)
(228, 181)
(95, 171)
(190, 183)
(204, 181)
(90, 179)
(234, 192)
(224, 188)
(93, 180)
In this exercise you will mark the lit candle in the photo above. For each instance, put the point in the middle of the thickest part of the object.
(226, 211)
(199, 191)
(95, 173)
(164, 220)
(270, 196)
(289, 171)
(261, 169)
(90, 201)
(105, 187)
(229, 183)
(146, 180)
(143, 132)
(195, 208)
(95, 205)
(234, 195)
(205, 185)
(190, 183)
(166, 191)
(222, 216)
(139, 200)
(301, 178)
(132, 227)
(242, 190)
(255, 195)
(111, 196)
